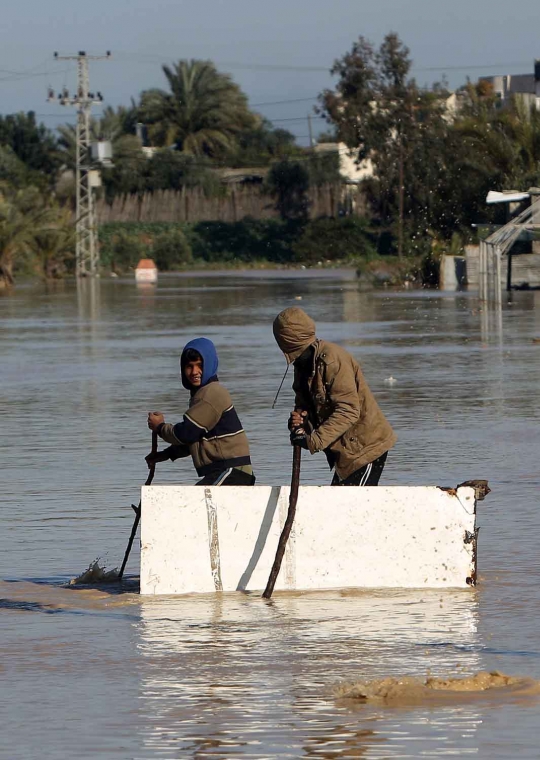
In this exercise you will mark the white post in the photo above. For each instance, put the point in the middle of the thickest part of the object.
(498, 294)
(482, 270)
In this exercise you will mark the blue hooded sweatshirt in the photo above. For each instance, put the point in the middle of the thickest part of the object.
(210, 429)
(209, 356)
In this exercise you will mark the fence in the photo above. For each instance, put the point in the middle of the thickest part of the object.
(192, 205)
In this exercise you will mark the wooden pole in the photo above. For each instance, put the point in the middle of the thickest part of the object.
(310, 131)
(498, 286)
(509, 273)
(293, 498)
(401, 200)
(149, 479)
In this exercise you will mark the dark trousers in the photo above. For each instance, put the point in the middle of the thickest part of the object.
(230, 477)
(368, 475)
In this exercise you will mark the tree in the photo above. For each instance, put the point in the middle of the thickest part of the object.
(128, 175)
(114, 126)
(202, 114)
(54, 244)
(115, 123)
(171, 170)
(33, 144)
(21, 216)
(171, 250)
(288, 182)
(381, 114)
(261, 144)
(13, 171)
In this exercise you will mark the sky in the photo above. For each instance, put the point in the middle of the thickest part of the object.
(277, 50)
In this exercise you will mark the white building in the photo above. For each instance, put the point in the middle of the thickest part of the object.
(524, 86)
(350, 170)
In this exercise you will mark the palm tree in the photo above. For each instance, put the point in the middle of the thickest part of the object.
(113, 125)
(202, 113)
(504, 145)
(54, 243)
(31, 227)
(24, 215)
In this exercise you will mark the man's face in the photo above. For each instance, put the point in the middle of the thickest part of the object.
(193, 372)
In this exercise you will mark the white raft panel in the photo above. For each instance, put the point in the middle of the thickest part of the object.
(199, 540)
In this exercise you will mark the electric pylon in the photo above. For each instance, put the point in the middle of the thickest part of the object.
(86, 247)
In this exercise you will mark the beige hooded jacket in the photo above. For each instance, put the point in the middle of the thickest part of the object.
(345, 420)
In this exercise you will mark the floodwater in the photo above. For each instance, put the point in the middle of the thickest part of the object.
(100, 672)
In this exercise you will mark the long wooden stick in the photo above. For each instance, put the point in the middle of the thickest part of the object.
(293, 498)
(149, 479)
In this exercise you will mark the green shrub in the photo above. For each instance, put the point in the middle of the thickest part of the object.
(246, 240)
(171, 250)
(122, 249)
(330, 239)
(279, 241)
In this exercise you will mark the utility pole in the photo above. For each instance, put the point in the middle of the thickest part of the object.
(401, 199)
(86, 251)
(310, 131)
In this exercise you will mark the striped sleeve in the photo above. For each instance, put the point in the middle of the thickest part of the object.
(201, 417)
(182, 433)
(176, 452)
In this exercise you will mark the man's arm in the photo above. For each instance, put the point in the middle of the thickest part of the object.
(343, 398)
(198, 420)
(300, 401)
(299, 417)
(170, 453)
(176, 452)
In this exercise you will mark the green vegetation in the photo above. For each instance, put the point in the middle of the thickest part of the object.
(445, 160)
(34, 233)
(434, 156)
(345, 239)
(201, 115)
(277, 241)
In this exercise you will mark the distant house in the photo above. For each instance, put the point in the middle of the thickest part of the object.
(526, 87)
(352, 172)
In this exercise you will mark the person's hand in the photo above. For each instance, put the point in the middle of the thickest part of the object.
(299, 438)
(296, 420)
(152, 459)
(154, 420)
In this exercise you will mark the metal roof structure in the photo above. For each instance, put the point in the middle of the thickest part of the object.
(525, 226)
(528, 221)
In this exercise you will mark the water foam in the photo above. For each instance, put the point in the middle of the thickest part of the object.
(95, 574)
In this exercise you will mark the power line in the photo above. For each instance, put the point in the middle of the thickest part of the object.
(19, 77)
(30, 73)
(296, 118)
(515, 64)
(280, 102)
(148, 58)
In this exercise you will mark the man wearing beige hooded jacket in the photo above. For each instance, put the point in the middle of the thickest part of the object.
(333, 403)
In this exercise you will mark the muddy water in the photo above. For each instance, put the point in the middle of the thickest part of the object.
(99, 672)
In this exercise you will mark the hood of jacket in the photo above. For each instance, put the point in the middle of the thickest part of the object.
(209, 356)
(294, 331)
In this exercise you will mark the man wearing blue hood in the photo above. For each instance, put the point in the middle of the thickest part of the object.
(210, 430)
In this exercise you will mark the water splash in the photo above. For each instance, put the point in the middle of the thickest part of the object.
(95, 574)
(411, 690)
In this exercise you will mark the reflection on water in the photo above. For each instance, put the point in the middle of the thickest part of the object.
(225, 674)
(98, 672)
